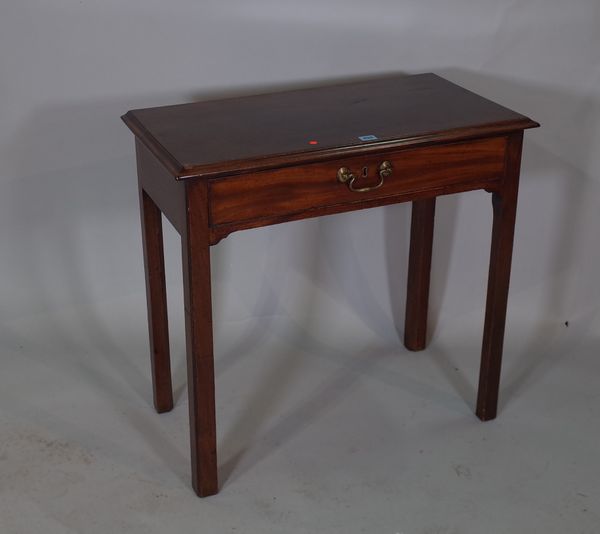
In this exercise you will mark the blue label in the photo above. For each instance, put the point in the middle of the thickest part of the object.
(367, 137)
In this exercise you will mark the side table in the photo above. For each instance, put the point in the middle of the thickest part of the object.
(217, 167)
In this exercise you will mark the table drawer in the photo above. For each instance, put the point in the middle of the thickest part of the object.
(281, 192)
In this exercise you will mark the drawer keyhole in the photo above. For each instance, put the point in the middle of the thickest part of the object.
(345, 176)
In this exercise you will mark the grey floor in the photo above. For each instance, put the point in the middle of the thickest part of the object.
(321, 428)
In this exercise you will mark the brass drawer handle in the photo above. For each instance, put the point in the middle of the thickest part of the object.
(345, 176)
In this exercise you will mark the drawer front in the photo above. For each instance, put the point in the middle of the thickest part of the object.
(292, 190)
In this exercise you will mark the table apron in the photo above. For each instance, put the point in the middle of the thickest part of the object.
(292, 193)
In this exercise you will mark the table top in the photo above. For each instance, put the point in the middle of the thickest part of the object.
(250, 133)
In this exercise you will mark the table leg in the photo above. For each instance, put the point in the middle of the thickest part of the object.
(156, 297)
(505, 208)
(198, 327)
(419, 270)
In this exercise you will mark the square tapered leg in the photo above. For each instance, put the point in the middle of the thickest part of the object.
(419, 270)
(198, 327)
(504, 202)
(156, 296)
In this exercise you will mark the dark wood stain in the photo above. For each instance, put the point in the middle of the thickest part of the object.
(217, 167)
(419, 272)
(504, 203)
(199, 341)
(158, 183)
(301, 188)
(257, 132)
(154, 263)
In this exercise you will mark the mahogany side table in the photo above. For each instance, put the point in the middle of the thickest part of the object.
(217, 167)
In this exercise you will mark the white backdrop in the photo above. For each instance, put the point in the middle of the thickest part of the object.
(69, 223)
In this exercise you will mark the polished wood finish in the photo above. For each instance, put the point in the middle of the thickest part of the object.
(218, 232)
(199, 342)
(154, 265)
(156, 181)
(504, 202)
(251, 133)
(217, 167)
(419, 271)
(299, 189)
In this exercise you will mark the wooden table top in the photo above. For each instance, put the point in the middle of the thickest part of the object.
(245, 134)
